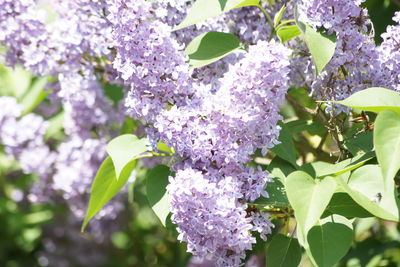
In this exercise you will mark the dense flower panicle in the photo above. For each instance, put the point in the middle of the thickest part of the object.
(334, 15)
(224, 127)
(22, 29)
(215, 134)
(252, 90)
(389, 52)
(23, 138)
(58, 48)
(148, 60)
(76, 164)
(214, 128)
(355, 64)
(85, 105)
(209, 217)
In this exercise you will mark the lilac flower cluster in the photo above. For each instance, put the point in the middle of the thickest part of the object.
(355, 65)
(26, 145)
(215, 129)
(215, 135)
(148, 60)
(389, 53)
(74, 49)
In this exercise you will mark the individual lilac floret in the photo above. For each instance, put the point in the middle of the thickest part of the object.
(148, 60)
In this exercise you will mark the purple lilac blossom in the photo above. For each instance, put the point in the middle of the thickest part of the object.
(355, 64)
(23, 137)
(209, 217)
(224, 127)
(214, 131)
(148, 60)
(214, 135)
(390, 54)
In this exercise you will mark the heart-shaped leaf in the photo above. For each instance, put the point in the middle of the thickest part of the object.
(283, 251)
(308, 197)
(330, 241)
(287, 33)
(286, 149)
(321, 45)
(123, 149)
(321, 169)
(366, 187)
(204, 9)
(210, 47)
(105, 186)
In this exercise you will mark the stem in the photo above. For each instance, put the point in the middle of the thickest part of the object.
(153, 154)
(298, 106)
(284, 23)
(269, 20)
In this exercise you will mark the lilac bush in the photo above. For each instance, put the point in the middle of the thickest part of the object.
(219, 124)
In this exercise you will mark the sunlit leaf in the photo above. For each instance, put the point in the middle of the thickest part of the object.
(210, 47)
(124, 149)
(105, 186)
(205, 9)
(308, 197)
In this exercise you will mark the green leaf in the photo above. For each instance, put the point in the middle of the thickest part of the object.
(156, 189)
(279, 15)
(366, 187)
(286, 149)
(204, 9)
(308, 197)
(129, 126)
(105, 186)
(363, 143)
(210, 47)
(342, 204)
(56, 125)
(14, 81)
(321, 169)
(164, 148)
(287, 33)
(114, 92)
(123, 149)
(34, 96)
(387, 144)
(280, 168)
(330, 240)
(321, 45)
(373, 99)
(283, 251)
(277, 195)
